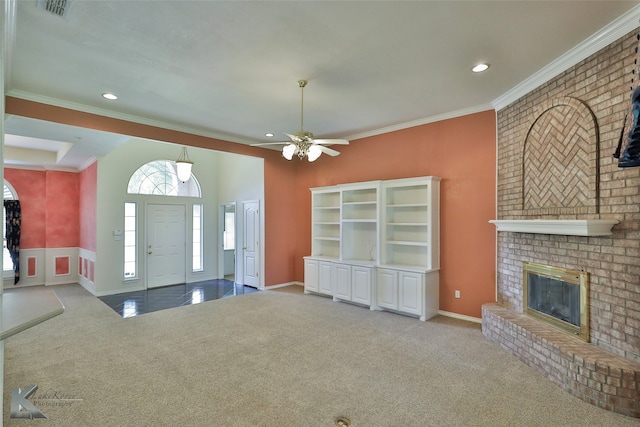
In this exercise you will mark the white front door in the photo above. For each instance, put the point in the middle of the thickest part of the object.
(251, 243)
(166, 245)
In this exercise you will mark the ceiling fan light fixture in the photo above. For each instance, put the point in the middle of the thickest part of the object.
(313, 153)
(288, 151)
(302, 143)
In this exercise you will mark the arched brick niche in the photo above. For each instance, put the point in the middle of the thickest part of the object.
(560, 160)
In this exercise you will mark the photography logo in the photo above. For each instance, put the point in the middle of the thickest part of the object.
(21, 407)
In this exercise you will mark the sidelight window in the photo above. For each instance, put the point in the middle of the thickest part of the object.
(197, 237)
(130, 240)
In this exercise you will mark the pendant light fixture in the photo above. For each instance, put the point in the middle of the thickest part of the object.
(183, 166)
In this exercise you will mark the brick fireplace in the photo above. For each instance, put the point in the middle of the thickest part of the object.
(555, 162)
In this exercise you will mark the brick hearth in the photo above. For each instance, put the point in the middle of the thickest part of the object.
(588, 372)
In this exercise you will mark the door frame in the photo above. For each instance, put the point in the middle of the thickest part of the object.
(221, 224)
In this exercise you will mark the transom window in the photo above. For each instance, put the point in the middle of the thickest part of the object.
(160, 178)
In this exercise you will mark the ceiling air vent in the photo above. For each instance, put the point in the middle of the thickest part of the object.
(56, 7)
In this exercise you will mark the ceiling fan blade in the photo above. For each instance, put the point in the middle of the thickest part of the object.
(271, 143)
(331, 141)
(329, 151)
(294, 138)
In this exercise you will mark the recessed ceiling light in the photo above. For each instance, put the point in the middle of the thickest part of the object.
(109, 96)
(480, 68)
(268, 135)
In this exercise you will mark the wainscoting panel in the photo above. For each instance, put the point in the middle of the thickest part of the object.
(61, 266)
(86, 269)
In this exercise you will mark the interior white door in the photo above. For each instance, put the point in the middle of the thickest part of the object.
(166, 245)
(251, 243)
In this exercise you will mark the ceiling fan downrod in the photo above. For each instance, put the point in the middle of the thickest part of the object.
(302, 84)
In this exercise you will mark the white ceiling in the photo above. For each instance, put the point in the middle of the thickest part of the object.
(229, 69)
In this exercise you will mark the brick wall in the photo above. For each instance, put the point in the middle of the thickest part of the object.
(584, 182)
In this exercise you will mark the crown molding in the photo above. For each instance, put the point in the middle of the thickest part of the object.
(40, 168)
(607, 35)
(87, 163)
(28, 96)
(423, 121)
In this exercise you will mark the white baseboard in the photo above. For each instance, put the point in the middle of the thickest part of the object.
(460, 316)
(282, 285)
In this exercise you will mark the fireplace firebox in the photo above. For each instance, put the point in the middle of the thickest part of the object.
(557, 296)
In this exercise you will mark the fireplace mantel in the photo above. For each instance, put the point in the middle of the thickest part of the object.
(566, 227)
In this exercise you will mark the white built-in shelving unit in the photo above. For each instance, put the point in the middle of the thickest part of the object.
(377, 244)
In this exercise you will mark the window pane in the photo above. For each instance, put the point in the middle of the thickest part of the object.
(129, 209)
(197, 238)
(229, 231)
(130, 241)
(160, 177)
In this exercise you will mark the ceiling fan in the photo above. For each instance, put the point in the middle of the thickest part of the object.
(302, 143)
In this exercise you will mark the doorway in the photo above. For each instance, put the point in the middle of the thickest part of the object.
(228, 236)
(166, 245)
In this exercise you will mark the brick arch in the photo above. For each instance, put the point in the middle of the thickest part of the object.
(560, 160)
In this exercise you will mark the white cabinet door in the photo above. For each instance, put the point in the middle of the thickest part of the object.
(342, 280)
(410, 286)
(325, 282)
(310, 275)
(387, 289)
(361, 284)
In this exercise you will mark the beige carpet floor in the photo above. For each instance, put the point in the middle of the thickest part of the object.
(276, 358)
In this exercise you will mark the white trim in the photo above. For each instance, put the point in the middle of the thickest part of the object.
(564, 227)
(460, 316)
(283, 285)
(423, 121)
(41, 168)
(13, 191)
(87, 163)
(607, 35)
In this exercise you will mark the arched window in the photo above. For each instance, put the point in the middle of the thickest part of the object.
(160, 178)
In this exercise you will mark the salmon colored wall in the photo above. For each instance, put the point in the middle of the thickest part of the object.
(280, 204)
(87, 201)
(279, 174)
(32, 189)
(462, 151)
(63, 210)
(49, 204)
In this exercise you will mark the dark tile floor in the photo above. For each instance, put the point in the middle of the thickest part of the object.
(140, 302)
